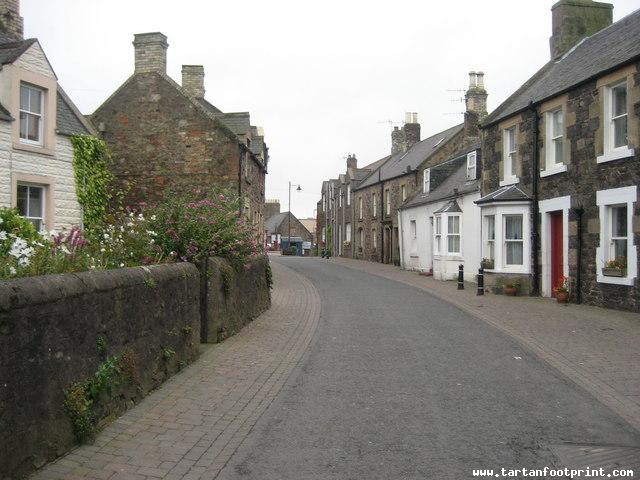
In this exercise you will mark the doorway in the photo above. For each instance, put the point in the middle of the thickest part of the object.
(557, 259)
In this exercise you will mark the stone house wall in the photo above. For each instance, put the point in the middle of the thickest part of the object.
(583, 107)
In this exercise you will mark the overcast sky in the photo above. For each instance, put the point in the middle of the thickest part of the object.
(320, 77)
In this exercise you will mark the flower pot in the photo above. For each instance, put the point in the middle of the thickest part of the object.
(511, 291)
(562, 297)
(614, 272)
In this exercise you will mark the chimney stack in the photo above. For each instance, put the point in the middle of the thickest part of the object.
(150, 52)
(476, 96)
(352, 161)
(193, 80)
(11, 23)
(397, 141)
(573, 20)
(411, 130)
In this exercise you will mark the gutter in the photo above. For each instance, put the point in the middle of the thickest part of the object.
(535, 211)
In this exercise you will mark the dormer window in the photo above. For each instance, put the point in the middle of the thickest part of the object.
(426, 187)
(31, 114)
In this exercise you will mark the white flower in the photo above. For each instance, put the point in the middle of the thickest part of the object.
(65, 250)
(1, 221)
(122, 265)
(53, 233)
(12, 270)
(102, 250)
(3, 235)
(23, 262)
(105, 236)
(153, 217)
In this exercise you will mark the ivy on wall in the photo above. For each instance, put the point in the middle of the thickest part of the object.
(91, 161)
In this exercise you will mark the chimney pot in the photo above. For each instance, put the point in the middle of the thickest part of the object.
(472, 80)
(352, 161)
(150, 52)
(193, 80)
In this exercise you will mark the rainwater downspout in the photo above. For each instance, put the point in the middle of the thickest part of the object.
(535, 240)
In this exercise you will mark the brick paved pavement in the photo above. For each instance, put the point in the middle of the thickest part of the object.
(190, 427)
(599, 349)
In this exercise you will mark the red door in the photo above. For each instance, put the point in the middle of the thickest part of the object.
(556, 250)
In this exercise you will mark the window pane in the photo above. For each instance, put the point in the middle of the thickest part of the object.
(24, 124)
(23, 193)
(33, 128)
(37, 223)
(619, 221)
(453, 243)
(491, 250)
(620, 249)
(453, 225)
(557, 123)
(491, 227)
(513, 227)
(438, 225)
(24, 98)
(35, 104)
(511, 139)
(514, 253)
(619, 95)
(35, 202)
(620, 132)
(558, 150)
(513, 164)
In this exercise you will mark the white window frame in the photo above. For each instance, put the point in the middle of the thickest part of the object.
(551, 164)
(509, 156)
(605, 199)
(348, 232)
(387, 203)
(29, 113)
(506, 240)
(500, 210)
(340, 197)
(374, 239)
(339, 239)
(426, 180)
(360, 208)
(471, 165)
(403, 192)
(413, 228)
(490, 241)
(324, 203)
(374, 205)
(324, 234)
(610, 152)
(437, 234)
(348, 194)
(43, 196)
(449, 221)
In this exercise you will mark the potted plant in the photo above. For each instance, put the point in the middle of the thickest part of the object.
(487, 263)
(511, 288)
(615, 268)
(561, 291)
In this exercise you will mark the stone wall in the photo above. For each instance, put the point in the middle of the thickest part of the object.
(57, 330)
(234, 297)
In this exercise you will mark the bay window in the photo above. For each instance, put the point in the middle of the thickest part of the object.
(490, 229)
(437, 235)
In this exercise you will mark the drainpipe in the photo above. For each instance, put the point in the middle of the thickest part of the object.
(382, 210)
(240, 180)
(535, 240)
(579, 211)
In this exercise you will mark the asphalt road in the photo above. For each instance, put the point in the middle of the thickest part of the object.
(400, 385)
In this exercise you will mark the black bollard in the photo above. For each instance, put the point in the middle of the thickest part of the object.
(461, 277)
(480, 281)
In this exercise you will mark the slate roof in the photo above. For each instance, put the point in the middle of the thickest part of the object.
(69, 120)
(457, 180)
(399, 164)
(5, 114)
(450, 206)
(272, 223)
(10, 51)
(606, 50)
(238, 122)
(510, 193)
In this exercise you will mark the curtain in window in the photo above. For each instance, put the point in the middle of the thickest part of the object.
(513, 237)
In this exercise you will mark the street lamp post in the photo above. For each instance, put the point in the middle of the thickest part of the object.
(299, 189)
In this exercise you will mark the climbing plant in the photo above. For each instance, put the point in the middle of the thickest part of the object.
(91, 161)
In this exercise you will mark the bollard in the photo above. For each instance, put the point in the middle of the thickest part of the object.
(461, 277)
(480, 281)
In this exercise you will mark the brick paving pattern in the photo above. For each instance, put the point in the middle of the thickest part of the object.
(598, 349)
(189, 428)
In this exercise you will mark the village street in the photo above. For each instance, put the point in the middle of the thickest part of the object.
(352, 375)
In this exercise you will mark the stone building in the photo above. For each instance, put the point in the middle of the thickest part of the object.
(277, 228)
(167, 137)
(271, 208)
(561, 165)
(36, 120)
(405, 172)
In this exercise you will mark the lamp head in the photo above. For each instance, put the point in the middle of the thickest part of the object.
(299, 189)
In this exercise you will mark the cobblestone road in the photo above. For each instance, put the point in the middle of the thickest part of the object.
(190, 427)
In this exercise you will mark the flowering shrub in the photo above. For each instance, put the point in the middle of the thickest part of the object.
(18, 241)
(562, 286)
(188, 230)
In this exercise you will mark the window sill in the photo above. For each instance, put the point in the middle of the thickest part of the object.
(414, 255)
(32, 148)
(553, 171)
(628, 280)
(617, 154)
(509, 181)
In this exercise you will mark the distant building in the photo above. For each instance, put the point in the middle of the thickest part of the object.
(271, 208)
(277, 228)
(167, 137)
(36, 120)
